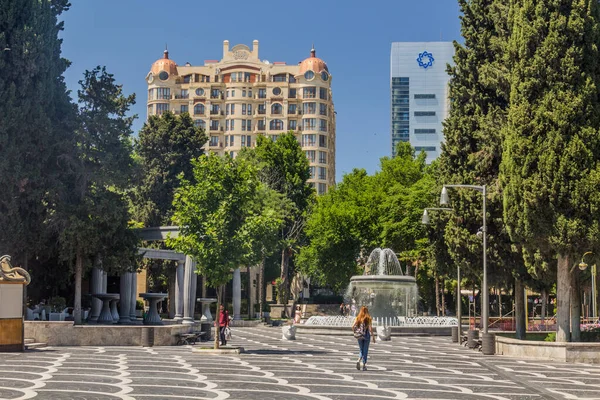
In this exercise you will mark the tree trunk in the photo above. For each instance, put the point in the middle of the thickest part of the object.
(284, 292)
(437, 294)
(575, 307)
(25, 266)
(443, 294)
(261, 287)
(563, 299)
(520, 331)
(544, 306)
(78, 278)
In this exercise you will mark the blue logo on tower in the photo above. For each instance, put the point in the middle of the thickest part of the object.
(425, 59)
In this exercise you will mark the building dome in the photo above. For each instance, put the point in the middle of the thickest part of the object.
(313, 63)
(164, 64)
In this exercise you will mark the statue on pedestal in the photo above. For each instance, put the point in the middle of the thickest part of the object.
(8, 273)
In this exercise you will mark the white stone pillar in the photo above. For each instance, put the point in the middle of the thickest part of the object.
(104, 282)
(189, 291)
(133, 297)
(179, 291)
(125, 302)
(96, 287)
(237, 293)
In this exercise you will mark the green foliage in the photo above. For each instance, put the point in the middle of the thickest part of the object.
(551, 337)
(552, 149)
(363, 212)
(165, 148)
(212, 212)
(37, 120)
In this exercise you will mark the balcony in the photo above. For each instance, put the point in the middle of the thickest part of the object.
(261, 112)
(182, 96)
(215, 144)
(217, 112)
(217, 97)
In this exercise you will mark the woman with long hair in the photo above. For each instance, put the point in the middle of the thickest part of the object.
(363, 332)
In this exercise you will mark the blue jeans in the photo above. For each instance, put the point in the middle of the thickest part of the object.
(363, 347)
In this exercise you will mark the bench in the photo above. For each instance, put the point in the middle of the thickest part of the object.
(189, 338)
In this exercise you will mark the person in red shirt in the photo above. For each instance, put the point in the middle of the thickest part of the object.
(223, 323)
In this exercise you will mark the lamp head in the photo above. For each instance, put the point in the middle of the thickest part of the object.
(425, 218)
(444, 196)
(582, 266)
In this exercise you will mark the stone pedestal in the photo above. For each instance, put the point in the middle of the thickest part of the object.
(289, 332)
(96, 288)
(488, 344)
(125, 298)
(384, 333)
(11, 316)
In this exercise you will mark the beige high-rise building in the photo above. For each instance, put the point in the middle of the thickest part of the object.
(240, 96)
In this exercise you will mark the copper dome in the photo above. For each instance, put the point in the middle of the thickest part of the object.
(164, 64)
(313, 63)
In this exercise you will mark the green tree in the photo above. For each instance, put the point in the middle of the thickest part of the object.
(284, 166)
(37, 120)
(94, 217)
(217, 219)
(472, 152)
(165, 148)
(552, 147)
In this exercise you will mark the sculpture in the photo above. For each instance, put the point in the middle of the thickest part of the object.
(8, 273)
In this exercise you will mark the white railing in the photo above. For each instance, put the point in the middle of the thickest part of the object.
(421, 321)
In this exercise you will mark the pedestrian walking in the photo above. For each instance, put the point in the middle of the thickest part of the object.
(342, 309)
(297, 315)
(363, 332)
(223, 324)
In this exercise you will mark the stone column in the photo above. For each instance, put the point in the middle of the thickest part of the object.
(237, 293)
(189, 291)
(125, 302)
(133, 297)
(179, 291)
(96, 284)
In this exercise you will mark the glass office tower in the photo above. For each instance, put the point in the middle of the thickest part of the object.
(419, 94)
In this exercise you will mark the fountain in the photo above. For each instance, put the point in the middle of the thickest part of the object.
(390, 296)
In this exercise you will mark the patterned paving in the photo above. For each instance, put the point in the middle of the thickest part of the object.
(312, 367)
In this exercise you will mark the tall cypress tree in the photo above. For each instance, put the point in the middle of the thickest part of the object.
(472, 151)
(36, 122)
(552, 147)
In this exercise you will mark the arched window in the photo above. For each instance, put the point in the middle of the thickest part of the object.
(276, 108)
(200, 123)
(276, 124)
(199, 109)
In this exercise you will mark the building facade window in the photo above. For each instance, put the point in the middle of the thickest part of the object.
(184, 108)
(323, 94)
(243, 109)
(215, 94)
(309, 140)
(243, 125)
(322, 157)
(292, 108)
(292, 125)
(424, 113)
(322, 141)
(200, 123)
(323, 125)
(260, 125)
(276, 108)
(309, 108)
(400, 111)
(214, 125)
(322, 109)
(424, 148)
(322, 173)
(161, 108)
(424, 131)
(279, 78)
(309, 124)
(262, 93)
(424, 96)
(214, 141)
(311, 155)
(276, 124)
(163, 93)
(311, 171)
(277, 91)
(292, 93)
(322, 188)
(309, 92)
(199, 109)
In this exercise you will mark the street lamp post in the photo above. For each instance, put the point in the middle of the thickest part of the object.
(425, 221)
(484, 287)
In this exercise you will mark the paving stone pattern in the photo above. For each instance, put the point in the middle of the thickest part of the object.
(312, 367)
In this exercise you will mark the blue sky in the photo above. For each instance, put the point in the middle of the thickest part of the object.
(353, 37)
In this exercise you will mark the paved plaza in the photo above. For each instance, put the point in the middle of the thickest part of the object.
(312, 367)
